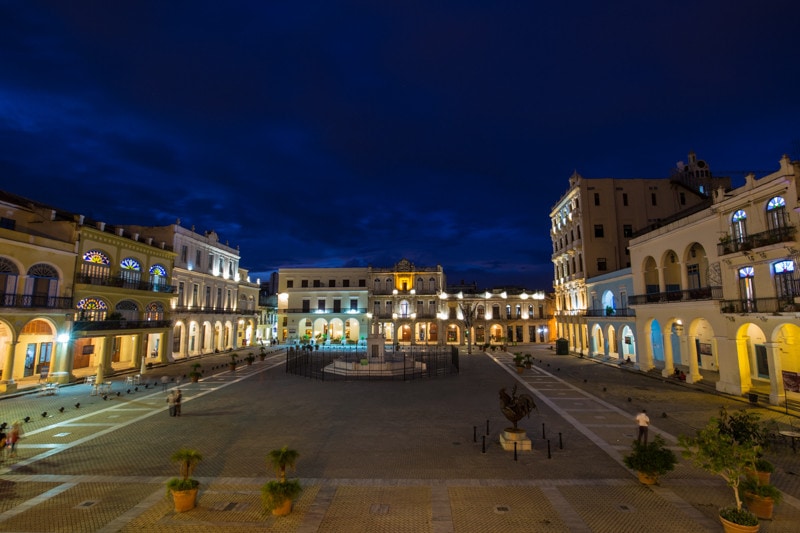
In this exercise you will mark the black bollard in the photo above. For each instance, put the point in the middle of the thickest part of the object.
(560, 444)
(474, 433)
(543, 435)
(515, 451)
(548, 450)
(483, 450)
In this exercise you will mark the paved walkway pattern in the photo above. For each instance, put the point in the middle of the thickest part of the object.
(374, 456)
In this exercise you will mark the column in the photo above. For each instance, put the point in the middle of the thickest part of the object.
(662, 284)
(8, 384)
(167, 340)
(777, 394)
(64, 358)
(669, 365)
(644, 360)
(108, 343)
(694, 371)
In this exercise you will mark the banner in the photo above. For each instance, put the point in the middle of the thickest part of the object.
(791, 381)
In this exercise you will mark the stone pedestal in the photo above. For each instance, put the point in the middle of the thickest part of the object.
(509, 436)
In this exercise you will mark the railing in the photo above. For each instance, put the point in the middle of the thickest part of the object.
(328, 310)
(688, 295)
(97, 325)
(400, 292)
(756, 240)
(35, 301)
(611, 313)
(760, 305)
(213, 310)
(118, 281)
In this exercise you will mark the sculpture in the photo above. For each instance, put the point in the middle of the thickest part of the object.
(515, 407)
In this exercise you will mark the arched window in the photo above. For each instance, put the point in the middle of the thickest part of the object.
(776, 213)
(96, 266)
(158, 277)
(786, 286)
(8, 281)
(739, 226)
(432, 285)
(747, 290)
(41, 285)
(128, 309)
(419, 285)
(92, 309)
(130, 271)
(389, 285)
(154, 311)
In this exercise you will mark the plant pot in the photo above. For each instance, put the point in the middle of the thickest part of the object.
(730, 527)
(283, 509)
(647, 479)
(184, 500)
(520, 369)
(760, 506)
(762, 477)
(195, 379)
(232, 366)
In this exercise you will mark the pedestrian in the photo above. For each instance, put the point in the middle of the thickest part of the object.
(178, 398)
(164, 382)
(644, 422)
(171, 402)
(3, 444)
(14, 436)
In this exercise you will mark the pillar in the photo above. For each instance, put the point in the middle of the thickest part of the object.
(777, 394)
(8, 384)
(108, 343)
(694, 371)
(669, 365)
(64, 358)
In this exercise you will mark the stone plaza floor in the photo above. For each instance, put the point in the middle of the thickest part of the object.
(374, 456)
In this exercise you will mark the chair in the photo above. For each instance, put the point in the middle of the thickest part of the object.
(129, 380)
(89, 380)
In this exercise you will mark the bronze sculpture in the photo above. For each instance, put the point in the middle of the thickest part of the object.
(515, 407)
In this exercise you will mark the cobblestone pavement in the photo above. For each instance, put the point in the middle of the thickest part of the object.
(374, 456)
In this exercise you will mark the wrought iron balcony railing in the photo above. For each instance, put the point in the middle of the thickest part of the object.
(756, 240)
(784, 304)
(118, 281)
(102, 325)
(701, 293)
(37, 301)
(611, 313)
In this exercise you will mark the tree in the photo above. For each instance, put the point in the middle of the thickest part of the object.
(468, 311)
(281, 459)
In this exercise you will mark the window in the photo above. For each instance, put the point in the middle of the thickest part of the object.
(739, 225)
(331, 283)
(208, 297)
(289, 283)
(786, 287)
(598, 230)
(337, 306)
(321, 304)
(627, 231)
(747, 288)
(304, 283)
(354, 304)
(597, 198)
(317, 283)
(683, 198)
(653, 198)
(776, 213)
(197, 258)
(693, 275)
(184, 254)
(601, 263)
(210, 262)
(306, 306)
(345, 283)
(362, 283)
(625, 199)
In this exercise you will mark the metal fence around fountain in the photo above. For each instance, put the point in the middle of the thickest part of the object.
(331, 363)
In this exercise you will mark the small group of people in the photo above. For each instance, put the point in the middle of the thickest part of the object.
(9, 441)
(174, 401)
(678, 374)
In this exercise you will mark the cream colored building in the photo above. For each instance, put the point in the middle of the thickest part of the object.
(593, 222)
(718, 292)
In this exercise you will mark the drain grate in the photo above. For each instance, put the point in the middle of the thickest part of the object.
(625, 508)
(230, 506)
(501, 509)
(86, 504)
(379, 508)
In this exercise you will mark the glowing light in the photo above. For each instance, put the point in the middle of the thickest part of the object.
(443, 295)
(63, 337)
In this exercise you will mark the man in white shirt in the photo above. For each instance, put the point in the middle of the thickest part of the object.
(644, 422)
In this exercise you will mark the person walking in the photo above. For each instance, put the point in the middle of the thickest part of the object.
(14, 436)
(178, 398)
(644, 422)
(3, 444)
(171, 402)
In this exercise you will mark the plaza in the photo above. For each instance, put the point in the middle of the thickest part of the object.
(374, 456)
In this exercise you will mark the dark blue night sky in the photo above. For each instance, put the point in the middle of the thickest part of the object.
(341, 133)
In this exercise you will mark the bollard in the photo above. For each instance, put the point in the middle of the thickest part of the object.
(487, 426)
(543, 436)
(548, 450)
(515, 451)
(484, 445)
(474, 433)
(560, 444)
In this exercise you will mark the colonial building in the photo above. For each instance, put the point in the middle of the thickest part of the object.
(593, 222)
(609, 320)
(718, 292)
(214, 308)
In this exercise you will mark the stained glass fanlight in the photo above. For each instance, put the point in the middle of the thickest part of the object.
(746, 272)
(776, 203)
(158, 270)
(96, 256)
(92, 304)
(782, 267)
(129, 263)
(739, 215)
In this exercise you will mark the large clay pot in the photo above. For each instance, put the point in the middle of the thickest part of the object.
(283, 509)
(184, 500)
(730, 527)
(647, 479)
(758, 505)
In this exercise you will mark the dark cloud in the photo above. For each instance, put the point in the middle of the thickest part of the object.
(355, 133)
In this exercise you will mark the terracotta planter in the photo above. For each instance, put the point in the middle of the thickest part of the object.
(520, 369)
(232, 366)
(184, 500)
(730, 527)
(762, 477)
(647, 479)
(760, 506)
(283, 509)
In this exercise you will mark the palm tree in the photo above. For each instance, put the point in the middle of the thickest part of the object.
(281, 459)
(188, 459)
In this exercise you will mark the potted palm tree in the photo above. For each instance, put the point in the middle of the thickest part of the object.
(518, 358)
(195, 373)
(184, 488)
(233, 362)
(717, 452)
(278, 495)
(250, 358)
(650, 460)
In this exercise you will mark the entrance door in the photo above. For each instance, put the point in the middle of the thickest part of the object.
(762, 366)
(30, 357)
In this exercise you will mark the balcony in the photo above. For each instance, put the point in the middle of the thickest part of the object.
(785, 304)
(611, 313)
(195, 309)
(756, 240)
(103, 325)
(689, 295)
(327, 311)
(117, 281)
(35, 301)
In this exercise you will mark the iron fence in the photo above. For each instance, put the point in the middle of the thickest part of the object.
(404, 363)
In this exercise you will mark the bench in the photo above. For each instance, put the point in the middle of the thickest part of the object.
(49, 389)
